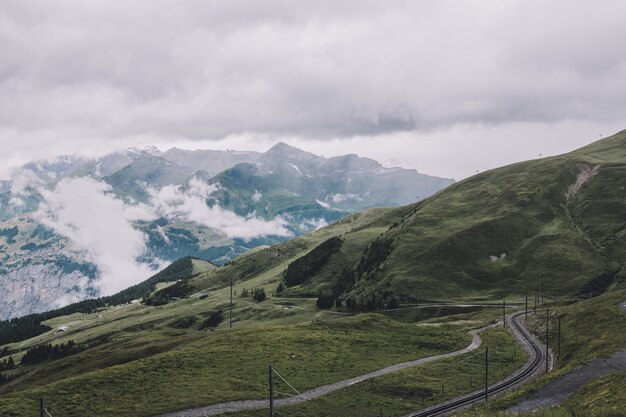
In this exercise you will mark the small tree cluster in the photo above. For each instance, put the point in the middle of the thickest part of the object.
(183, 322)
(372, 302)
(47, 351)
(258, 294)
(7, 378)
(326, 299)
(7, 365)
(214, 319)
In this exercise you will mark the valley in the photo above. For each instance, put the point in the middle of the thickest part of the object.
(376, 288)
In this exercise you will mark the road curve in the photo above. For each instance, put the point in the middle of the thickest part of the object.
(534, 365)
(228, 407)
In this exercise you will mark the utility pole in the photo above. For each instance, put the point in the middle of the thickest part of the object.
(526, 308)
(486, 373)
(231, 304)
(503, 314)
(417, 308)
(42, 407)
(558, 349)
(547, 338)
(271, 393)
(555, 302)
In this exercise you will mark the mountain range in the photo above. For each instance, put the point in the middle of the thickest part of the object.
(74, 227)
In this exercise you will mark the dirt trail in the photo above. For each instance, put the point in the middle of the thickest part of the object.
(562, 388)
(586, 174)
(215, 409)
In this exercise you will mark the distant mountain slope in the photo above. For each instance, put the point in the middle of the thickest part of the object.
(163, 206)
(210, 161)
(347, 183)
(557, 223)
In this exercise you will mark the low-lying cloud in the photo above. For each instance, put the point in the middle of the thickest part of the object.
(189, 203)
(100, 228)
(100, 225)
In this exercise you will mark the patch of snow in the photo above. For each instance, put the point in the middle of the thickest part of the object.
(163, 235)
(256, 197)
(296, 168)
(99, 170)
(323, 204)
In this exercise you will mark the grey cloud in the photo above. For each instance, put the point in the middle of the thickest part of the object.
(325, 69)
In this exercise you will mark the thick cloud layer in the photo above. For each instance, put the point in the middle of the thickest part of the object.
(112, 73)
(189, 203)
(100, 228)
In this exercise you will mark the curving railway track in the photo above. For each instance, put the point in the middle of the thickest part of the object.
(532, 365)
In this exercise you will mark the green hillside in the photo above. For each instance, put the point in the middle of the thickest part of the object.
(555, 222)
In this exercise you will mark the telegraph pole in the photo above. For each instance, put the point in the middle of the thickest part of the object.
(558, 349)
(503, 314)
(271, 393)
(42, 407)
(526, 310)
(547, 338)
(417, 308)
(486, 373)
(231, 304)
(555, 302)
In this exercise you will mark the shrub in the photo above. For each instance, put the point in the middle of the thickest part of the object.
(326, 299)
(183, 322)
(214, 320)
(259, 294)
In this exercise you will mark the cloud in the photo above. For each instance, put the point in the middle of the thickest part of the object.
(100, 228)
(210, 69)
(23, 181)
(189, 203)
(98, 76)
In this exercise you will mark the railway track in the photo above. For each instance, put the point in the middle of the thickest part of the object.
(535, 361)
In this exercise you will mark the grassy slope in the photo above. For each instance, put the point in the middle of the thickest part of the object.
(414, 388)
(149, 372)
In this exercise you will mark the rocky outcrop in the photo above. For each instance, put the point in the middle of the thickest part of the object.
(38, 288)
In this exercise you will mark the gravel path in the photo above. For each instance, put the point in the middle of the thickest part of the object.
(215, 409)
(562, 388)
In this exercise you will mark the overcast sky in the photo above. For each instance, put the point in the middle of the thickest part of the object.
(447, 87)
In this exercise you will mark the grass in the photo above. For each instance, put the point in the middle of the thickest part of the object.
(590, 329)
(166, 370)
(414, 388)
(602, 397)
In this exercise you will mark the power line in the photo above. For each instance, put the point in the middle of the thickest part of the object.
(290, 386)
